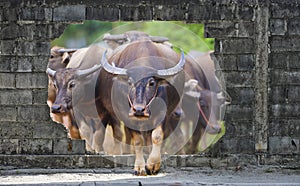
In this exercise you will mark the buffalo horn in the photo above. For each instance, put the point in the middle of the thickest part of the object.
(112, 69)
(114, 37)
(63, 50)
(50, 72)
(158, 39)
(174, 70)
(86, 72)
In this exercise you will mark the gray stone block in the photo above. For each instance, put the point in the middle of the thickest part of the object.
(245, 62)
(169, 12)
(10, 14)
(39, 63)
(15, 130)
(226, 62)
(283, 145)
(279, 61)
(7, 80)
(241, 95)
(24, 64)
(35, 146)
(16, 97)
(9, 31)
(33, 113)
(245, 12)
(209, 12)
(238, 79)
(278, 94)
(69, 13)
(8, 113)
(278, 26)
(35, 13)
(294, 60)
(235, 46)
(32, 80)
(105, 13)
(135, 13)
(40, 96)
(283, 10)
(284, 44)
(285, 110)
(8, 47)
(68, 146)
(239, 113)
(49, 130)
(9, 146)
(281, 77)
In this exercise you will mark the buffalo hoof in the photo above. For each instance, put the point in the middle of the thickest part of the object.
(140, 173)
(151, 171)
(152, 168)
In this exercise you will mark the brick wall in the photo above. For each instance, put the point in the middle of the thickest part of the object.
(256, 45)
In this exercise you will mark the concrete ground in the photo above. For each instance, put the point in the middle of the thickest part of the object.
(123, 176)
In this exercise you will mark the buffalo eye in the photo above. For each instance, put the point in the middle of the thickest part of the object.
(130, 81)
(51, 56)
(71, 84)
(151, 82)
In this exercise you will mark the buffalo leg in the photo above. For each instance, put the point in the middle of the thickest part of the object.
(139, 164)
(118, 135)
(154, 160)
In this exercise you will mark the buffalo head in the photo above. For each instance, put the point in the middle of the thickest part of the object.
(144, 84)
(64, 81)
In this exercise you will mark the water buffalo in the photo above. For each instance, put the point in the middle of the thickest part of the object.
(75, 88)
(143, 84)
(59, 58)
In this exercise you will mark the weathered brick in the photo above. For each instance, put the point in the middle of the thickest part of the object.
(278, 94)
(8, 113)
(9, 31)
(7, 80)
(135, 13)
(169, 12)
(245, 12)
(8, 47)
(226, 62)
(35, 146)
(40, 63)
(294, 94)
(294, 26)
(245, 62)
(31, 80)
(24, 64)
(280, 77)
(279, 61)
(33, 113)
(33, 48)
(238, 145)
(105, 13)
(283, 10)
(283, 145)
(40, 96)
(15, 130)
(68, 146)
(283, 44)
(229, 29)
(238, 79)
(239, 113)
(235, 46)
(36, 13)
(69, 13)
(294, 60)
(278, 26)
(10, 14)
(5, 63)
(206, 12)
(9, 146)
(15, 97)
(285, 110)
(49, 130)
(284, 127)
(242, 96)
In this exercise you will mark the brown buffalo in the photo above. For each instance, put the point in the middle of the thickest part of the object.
(59, 58)
(135, 87)
(75, 87)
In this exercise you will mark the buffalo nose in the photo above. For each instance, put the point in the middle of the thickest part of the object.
(139, 111)
(55, 108)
